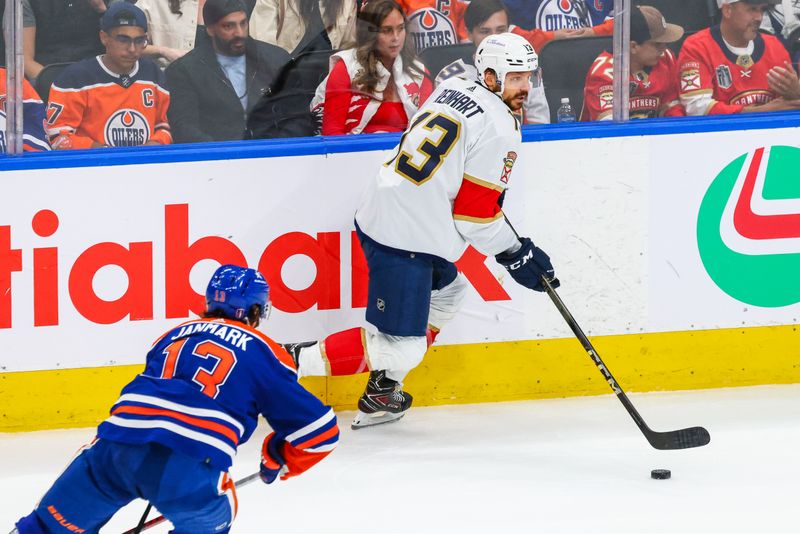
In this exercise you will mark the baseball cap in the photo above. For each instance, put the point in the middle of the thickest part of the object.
(123, 14)
(721, 3)
(216, 10)
(648, 24)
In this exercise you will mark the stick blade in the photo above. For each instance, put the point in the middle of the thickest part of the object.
(686, 438)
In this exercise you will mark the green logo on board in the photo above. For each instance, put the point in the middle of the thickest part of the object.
(748, 227)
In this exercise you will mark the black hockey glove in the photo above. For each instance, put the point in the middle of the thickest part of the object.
(527, 265)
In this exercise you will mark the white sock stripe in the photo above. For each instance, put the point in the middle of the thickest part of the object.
(319, 423)
(323, 448)
(188, 410)
(175, 428)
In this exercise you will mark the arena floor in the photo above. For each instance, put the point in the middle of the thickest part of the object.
(556, 466)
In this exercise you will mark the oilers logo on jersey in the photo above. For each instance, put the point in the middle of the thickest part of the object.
(555, 15)
(430, 27)
(127, 127)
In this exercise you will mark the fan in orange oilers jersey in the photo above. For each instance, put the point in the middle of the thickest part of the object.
(117, 99)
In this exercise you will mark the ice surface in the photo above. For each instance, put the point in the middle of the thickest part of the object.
(555, 466)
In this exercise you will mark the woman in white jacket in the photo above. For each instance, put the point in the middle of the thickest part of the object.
(298, 26)
(377, 86)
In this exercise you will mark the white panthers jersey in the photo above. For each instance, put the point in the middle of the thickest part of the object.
(535, 110)
(440, 189)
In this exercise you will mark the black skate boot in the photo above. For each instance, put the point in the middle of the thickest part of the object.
(294, 350)
(382, 402)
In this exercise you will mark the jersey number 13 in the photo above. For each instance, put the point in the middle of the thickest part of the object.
(433, 148)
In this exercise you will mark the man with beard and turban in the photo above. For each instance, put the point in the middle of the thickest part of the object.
(217, 86)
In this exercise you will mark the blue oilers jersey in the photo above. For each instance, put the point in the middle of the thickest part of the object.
(549, 15)
(205, 383)
(600, 10)
(34, 138)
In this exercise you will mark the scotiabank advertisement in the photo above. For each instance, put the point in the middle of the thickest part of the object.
(97, 262)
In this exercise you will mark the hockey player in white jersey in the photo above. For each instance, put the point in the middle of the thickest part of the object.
(440, 191)
(489, 17)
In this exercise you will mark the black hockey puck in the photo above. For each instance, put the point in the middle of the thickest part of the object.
(660, 474)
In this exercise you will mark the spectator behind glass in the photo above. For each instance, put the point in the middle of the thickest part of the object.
(542, 21)
(482, 19)
(300, 26)
(34, 138)
(59, 31)
(173, 27)
(653, 72)
(377, 86)
(435, 22)
(783, 21)
(117, 99)
(732, 68)
(218, 84)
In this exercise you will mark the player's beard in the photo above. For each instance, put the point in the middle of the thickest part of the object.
(514, 103)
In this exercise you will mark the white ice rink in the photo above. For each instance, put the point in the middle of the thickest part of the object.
(554, 466)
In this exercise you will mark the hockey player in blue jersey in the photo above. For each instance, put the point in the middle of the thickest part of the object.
(173, 432)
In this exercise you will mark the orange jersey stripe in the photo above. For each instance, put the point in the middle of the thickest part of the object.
(298, 461)
(319, 439)
(279, 351)
(202, 423)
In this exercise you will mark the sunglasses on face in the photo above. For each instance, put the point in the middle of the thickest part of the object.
(127, 41)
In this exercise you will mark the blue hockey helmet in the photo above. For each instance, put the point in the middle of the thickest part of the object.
(233, 290)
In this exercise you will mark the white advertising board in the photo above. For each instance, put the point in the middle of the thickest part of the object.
(96, 262)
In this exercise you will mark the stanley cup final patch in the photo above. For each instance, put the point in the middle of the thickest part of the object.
(724, 77)
(508, 165)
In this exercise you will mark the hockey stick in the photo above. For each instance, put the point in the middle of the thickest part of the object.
(140, 526)
(160, 519)
(685, 438)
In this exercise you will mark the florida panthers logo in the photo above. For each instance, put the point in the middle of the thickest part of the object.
(508, 166)
(127, 127)
(555, 15)
(429, 27)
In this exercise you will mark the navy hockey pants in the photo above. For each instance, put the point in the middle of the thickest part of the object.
(109, 475)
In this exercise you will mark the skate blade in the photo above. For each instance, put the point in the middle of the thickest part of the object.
(362, 420)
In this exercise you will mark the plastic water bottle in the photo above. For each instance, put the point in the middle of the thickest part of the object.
(565, 112)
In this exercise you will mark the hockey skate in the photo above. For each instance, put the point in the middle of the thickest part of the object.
(382, 402)
(294, 350)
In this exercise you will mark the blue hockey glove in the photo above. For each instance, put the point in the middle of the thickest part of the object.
(272, 464)
(528, 264)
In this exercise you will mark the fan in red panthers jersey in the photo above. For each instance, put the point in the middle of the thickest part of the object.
(653, 79)
(732, 68)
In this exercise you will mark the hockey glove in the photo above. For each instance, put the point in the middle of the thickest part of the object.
(272, 464)
(528, 264)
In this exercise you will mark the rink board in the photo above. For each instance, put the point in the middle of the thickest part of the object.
(682, 285)
(457, 374)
